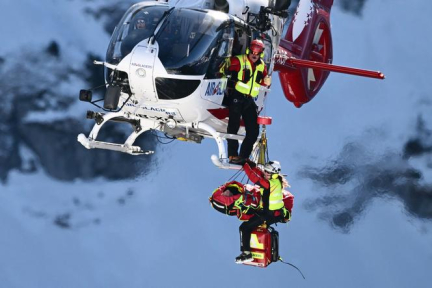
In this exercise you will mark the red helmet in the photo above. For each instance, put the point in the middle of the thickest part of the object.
(257, 46)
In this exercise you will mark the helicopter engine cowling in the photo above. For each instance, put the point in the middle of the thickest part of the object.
(308, 37)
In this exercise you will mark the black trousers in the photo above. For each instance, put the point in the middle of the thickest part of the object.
(241, 106)
(247, 227)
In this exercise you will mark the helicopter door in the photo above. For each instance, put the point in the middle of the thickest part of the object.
(141, 72)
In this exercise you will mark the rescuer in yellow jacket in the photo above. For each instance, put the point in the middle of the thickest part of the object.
(248, 73)
(273, 208)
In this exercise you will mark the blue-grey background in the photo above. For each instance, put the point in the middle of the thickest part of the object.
(358, 158)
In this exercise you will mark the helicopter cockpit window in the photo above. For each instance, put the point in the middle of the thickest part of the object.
(136, 25)
(226, 45)
(187, 40)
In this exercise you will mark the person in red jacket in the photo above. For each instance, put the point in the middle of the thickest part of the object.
(248, 72)
(273, 209)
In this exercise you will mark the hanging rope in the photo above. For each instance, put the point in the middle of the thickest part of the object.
(280, 259)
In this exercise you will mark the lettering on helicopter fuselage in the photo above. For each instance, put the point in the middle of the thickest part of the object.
(142, 65)
(156, 118)
(216, 88)
(159, 110)
(154, 109)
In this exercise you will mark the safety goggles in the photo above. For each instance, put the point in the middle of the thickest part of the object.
(140, 24)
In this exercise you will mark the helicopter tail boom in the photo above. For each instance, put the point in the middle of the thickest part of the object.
(292, 62)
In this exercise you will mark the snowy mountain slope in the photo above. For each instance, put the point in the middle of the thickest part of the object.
(159, 231)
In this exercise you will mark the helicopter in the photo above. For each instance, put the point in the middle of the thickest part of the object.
(163, 59)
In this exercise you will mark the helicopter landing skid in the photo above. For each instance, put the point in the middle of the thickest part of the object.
(224, 164)
(222, 160)
(92, 144)
(140, 126)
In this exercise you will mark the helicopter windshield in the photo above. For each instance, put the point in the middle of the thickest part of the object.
(188, 38)
(137, 24)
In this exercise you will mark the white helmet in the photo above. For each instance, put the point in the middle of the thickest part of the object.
(273, 167)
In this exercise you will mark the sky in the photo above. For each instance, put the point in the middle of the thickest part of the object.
(159, 230)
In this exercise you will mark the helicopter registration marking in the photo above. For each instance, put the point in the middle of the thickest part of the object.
(168, 112)
(159, 110)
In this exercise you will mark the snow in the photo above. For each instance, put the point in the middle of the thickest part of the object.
(159, 230)
(39, 23)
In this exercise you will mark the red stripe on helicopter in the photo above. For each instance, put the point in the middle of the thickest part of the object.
(222, 114)
(219, 113)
